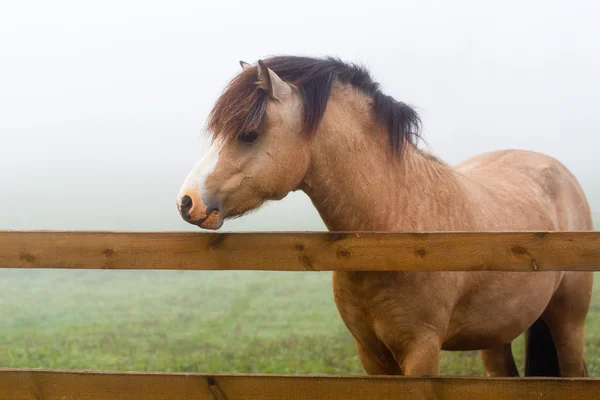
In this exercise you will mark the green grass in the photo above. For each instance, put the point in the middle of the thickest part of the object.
(192, 321)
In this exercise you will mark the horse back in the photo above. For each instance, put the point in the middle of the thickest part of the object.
(525, 190)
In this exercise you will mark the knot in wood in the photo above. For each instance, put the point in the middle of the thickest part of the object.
(343, 252)
(519, 250)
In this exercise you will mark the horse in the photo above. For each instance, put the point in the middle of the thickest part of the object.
(324, 126)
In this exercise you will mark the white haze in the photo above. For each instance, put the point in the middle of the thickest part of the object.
(102, 103)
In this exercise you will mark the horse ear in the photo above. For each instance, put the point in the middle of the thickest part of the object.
(245, 65)
(271, 82)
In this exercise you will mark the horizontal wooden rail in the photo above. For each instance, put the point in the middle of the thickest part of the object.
(312, 251)
(81, 385)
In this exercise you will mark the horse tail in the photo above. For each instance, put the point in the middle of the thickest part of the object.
(540, 352)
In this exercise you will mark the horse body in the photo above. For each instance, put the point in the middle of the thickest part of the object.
(507, 190)
(325, 128)
(502, 190)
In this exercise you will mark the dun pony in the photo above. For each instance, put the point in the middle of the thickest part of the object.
(326, 127)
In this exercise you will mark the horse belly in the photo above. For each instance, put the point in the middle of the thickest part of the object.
(503, 306)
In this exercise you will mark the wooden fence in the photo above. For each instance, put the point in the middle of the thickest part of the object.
(313, 251)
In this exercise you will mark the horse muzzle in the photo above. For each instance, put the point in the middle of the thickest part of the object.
(193, 210)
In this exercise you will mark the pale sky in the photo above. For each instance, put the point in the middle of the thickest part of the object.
(102, 104)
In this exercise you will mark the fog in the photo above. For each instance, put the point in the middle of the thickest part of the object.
(102, 104)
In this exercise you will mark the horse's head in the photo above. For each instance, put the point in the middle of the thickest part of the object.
(257, 152)
(270, 134)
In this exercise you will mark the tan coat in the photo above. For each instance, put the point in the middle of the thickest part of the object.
(357, 182)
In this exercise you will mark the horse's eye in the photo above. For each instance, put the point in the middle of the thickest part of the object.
(248, 137)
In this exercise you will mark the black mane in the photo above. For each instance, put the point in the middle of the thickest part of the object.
(242, 105)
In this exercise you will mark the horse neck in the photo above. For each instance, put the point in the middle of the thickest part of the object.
(356, 183)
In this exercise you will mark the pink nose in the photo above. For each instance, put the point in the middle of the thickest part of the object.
(194, 211)
(192, 207)
(186, 205)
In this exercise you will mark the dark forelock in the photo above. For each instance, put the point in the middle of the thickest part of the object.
(242, 105)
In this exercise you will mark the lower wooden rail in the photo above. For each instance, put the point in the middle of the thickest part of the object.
(21, 384)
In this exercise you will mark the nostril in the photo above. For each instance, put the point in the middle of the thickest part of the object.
(186, 205)
(186, 201)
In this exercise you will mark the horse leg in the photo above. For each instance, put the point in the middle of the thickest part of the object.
(383, 365)
(498, 361)
(419, 357)
(565, 317)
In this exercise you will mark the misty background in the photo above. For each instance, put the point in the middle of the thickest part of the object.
(102, 104)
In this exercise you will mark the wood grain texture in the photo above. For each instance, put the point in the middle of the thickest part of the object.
(80, 385)
(310, 251)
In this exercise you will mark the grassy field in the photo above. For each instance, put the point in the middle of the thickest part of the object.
(192, 321)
